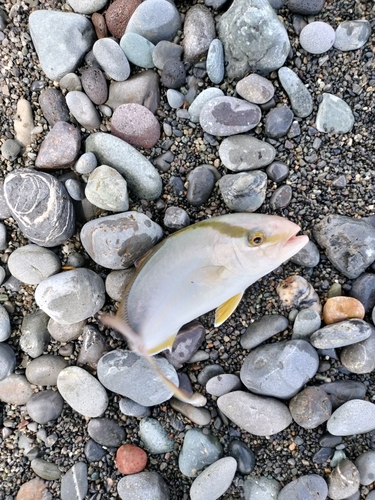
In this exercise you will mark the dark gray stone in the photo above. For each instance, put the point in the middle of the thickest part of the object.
(45, 369)
(45, 406)
(53, 105)
(201, 184)
(145, 485)
(188, 341)
(34, 334)
(340, 334)
(45, 470)
(308, 256)
(7, 360)
(323, 455)
(245, 191)
(305, 7)
(263, 329)
(198, 451)
(208, 372)
(164, 51)
(93, 451)
(94, 346)
(278, 122)
(106, 432)
(341, 391)
(173, 75)
(281, 197)
(277, 171)
(244, 456)
(363, 289)
(310, 407)
(176, 218)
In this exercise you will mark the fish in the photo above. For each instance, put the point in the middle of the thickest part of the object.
(202, 267)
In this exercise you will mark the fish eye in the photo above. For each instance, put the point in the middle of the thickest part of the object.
(256, 238)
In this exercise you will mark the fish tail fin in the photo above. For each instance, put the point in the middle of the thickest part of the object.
(136, 344)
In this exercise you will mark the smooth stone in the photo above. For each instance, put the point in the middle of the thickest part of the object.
(145, 485)
(74, 483)
(176, 218)
(132, 409)
(95, 85)
(46, 214)
(111, 59)
(365, 464)
(278, 122)
(45, 470)
(34, 334)
(65, 333)
(201, 184)
(255, 414)
(215, 480)
(53, 105)
(106, 432)
(199, 32)
(60, 147)
(142, 177)
(342, 391)
(187, 342)
(244, 52)
(199, 416)
(82, 391)
(208, 372)
(3, 237)
(136, 125)
(311, 487)
(322, 455)
(5, 328)
(165, 51)
(261, 488)
(255, 88)
(227, 115)
(342, 308)
(154, 437)
(107, 189)
(263, 329)
(93, 451)
(157, 20)
(341, 334)
(117, 241)
(45, 369)
(204, 97)
(198, 451)
(317, 37)
(245, 152)
(308, 256)
(299, 96)
(83, 110)
(130, 459)
(348, 243)
(343, 480)
(7, 360)
(116, 283)
(280, 369)
(71, 41)
(128, 374)
(297, 292)
(363, 289)
(70, 82)
(305, 7)
(75, 189)
(87, 7)
(222, 384)
(138, 50)
(360, 358)
(24, 122)
(118, 15)
(45, 406)
(215, 62)
(86, 163)
(281, 197)
(310, 407)
(32, 490)
(245, 191)
(93, 346)
(244, 457)
(353, 417)
(307, 322)
(277, 171)
(334, 116)
(352, 35)
(15, 389)
(328, 440)
(173, 75)
(10, 149)
(175, 98)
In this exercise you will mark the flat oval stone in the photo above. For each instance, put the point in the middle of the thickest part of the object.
(15, 389)
(53, 106)
(360, 357)
(60, 147)
(222, 384)
(82, 391)
(245, 191)
(278, 121)
(311, 487)
(45, 406)
(201, 184)
(317, 37)
(130, 459)
(74, 483)
(132, 409)
(341, 391)
(10, 149)
(199, 416)
(137, 49)
(65, 333)
(306, 322)
(106, 432)
(87, 6)
(263, 329)
(341, 308)
(365, 464)
(83, 110)
(277, 171)
(305, 8)
(227, 115)
(45, 369)
(215, 480)
(34, 334)
(300, 98)
(41, 206)
(107, 189)
(343, 480)
(199, 32)
(281, 197)
(353, 417)
(7, 360)
(341, 334)
(352, 35)
(44, 469)
(187, 342)
(308, 256)
(111, 59)
(136, 125)
(206, 95)
(31, 264)
(71, 296)
(176, 218)
(143, 485)
(198, 450)
(155, 438)
(255, 88)
(310, 407)
(95, 85)
(245, 152)
(215, 62)
(261, 488)
(334, 116)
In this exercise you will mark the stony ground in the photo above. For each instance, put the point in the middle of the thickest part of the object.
(349, 75)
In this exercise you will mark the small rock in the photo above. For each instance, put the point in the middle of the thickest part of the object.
(365, 464)
(176, 218)
(87, 7)
(45, 406)
(53, 105)
(206, 95)
(255, 88)
(199, 32)
(342, 308)
(215, 480)
(198, 451)
(363, 289)
(5, 328)
(86, 163)
(93, 451)
(138, 49)
(340, 334)
(297, 292)
(173, 74)
(281, 197)
(261, 488)
(7, 360)
(111, 59)
(118, 15)
(10, 149)
(70, 82)
(107, 189)
(45, 369)
(208, 372)
(74, 483)
(215, 62)
(143, 485)
(244, 456)
(155, 438)
(245, 152)
(310, 407)
(278, 122)
(305, 8)
(199, 416)
(100, 26)
(95, 85)
(201, 184)
(94, 345)
(106, 432)
(317, 37)
(307, 322)
(132, 409)
(117, 281)
(311, 486)
(65, 333)
(353, 417)
(83, 110)
(308, 256)
(263, 329)
(222, 384)
(24, 122)
(352, 35)
(31, 264)
(245, 191)
(34, 334)
(186, 344)
(136, 125)
(334, 116)
(300, 97)
(32, 490)
(15, 390)
(277, 171)
(45, 470)
(360, 357)
(342, 391)
(343, 480)
(130, 459)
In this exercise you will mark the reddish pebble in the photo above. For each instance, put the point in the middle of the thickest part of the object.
(136, 125)
(118, 15)
(99, 24)
(32, 490)
(130, 459)
(341, 308)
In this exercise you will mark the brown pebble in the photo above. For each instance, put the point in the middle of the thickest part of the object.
(136, 125)
(118, 15)
(32, 490)
(100, 25)
(341, 308)
(130, 459)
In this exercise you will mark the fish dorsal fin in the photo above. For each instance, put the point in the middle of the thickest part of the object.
(223, 312)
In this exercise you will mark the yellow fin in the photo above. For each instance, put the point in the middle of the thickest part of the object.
(167, 344)
(223, 312)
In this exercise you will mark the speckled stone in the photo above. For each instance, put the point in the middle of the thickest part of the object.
(155, 438)
(300, 98)
(261, 488)
(245, 191)
(263, 329)
(215, 62)
(245, 152)
(136, 125)
(95, 85)
(309, 487)
(310, 407)
(118, 14)
(317, 37)
(353, 417)
(255, 88)
(173, 75)
(53, 106)
(199, 32)
(60, 147)
(45, 406)
(343, 480)
(305, 7)
(281, 197)
(45, 369)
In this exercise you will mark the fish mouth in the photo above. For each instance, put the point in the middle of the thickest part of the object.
(297, 242)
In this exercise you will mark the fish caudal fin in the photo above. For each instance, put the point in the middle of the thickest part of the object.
(135, 343)
(223, 312)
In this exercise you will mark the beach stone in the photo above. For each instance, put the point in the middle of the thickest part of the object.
(305, 7)
(173, 75)
(227, 115)
(244, 456)
(45, 369)
(352, 35)
(215, 62)
(45, 470)
(308, 256)
(118, 14)
(82, 391)
(145, 485)
(45, 406)
(65, 333)
(15, 389)
(75, 189)
(342, 308)
(32, 490)
(201, 184)
(255, 414)
(93, 451)
(71, 296)
(317, 37)
(340, 334)
(60, 147)
(94, 345)
(111, 59)
(117, 241)
(343, 480)
(297, 292)
(201, 99)
(198, 451)
(263, 329)
(360, 357)
(83, 110)
(222, 384)
(261, 488)
(187, 342)
(208, 372)
(215, 480)
(116, 283)
(245, 152)
(255, 88)
(95, 85)
(199, 32)
(53, 105)
(277, 171)
(199, 416)
(176, 218)
(245, 191)
(334, 115)
(132, 409)
(363, 289)
(164, 51)
(137, 49)
(300, 98)
(311, 487)
(154, 437)
(106, 432)
(3, 237)
(157, 20)
(278, 121)
(74, 483)
(100, 26)
(348, 243)
(70, 82)
(353, 417)
(307, 322)
(323, 455)
(31, 264)
(34, 334)
(130, 459)
(7, 360)
(107, 189)
(87, 7)
(310, 407)
(128, 374)
(342, 391)
(5, 328)
(10, 149)
(71, 41)
(86, 163)
(24, 122)
(365, 464)
(280, 369)
(141, 176)
(136, 125)
(281, 198)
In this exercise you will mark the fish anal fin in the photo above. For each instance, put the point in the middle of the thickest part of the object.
(223, 312)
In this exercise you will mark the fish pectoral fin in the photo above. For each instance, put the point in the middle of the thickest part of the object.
(223, 312)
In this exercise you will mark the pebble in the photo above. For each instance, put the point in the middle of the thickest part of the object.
(157, 20)
(208, 372)
(360, 358)
(45, 470)
(173, 75)
(70, 82)
(165, 51)
(176, 218)
(45, 406)
(215, 62)
(34, 334)
(201, 184)
(106, 432)
(60, 147)
(297, 292)
(65, 333)
(10, 149)
(86, 163)
(106, 239)
(107, 189)
(5, 328)
(222, 384)
(74, 483)
(342, 391)
(198, 451)
(45, 369)
(245, 191)
(334, 116)
(299, 96)
(142, 177)
(317, 37)
(308, 487)
(199, 32)
(281, 198)
(154, 437)
(340, 334)
(310, 407)
(7, 360)
(308, 256)
(322, 455)
(143, 485)
(130, 459)
(138, 50)
(214, 481)
(307, 322)
(245, 152)
(363, 289)
(263, 329)
(53, 106)
(111, 59)
(136, 125)
(353, 417)
(94, 346)
(116, 283)
(352, 35)
(203, 98)
(98, 21)
(199, 416)
(255, 88)
(279, 369)
(95, 85)
(24, 122)
(32, 490)
(277, 171)
(245, 457)
(187, 342)
(75, 189)
(132, 409)
(82, 391)
(93, 451)
(15, 390)
(128, 374)
(227, 115)
(87, 7)
(255, 414)
(118, 14)
(342, 308)
(83, 110)
(343, 480)
(278, 121)
(261, 488)
(365, 464)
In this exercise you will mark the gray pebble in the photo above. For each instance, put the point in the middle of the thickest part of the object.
(263, 329)
(307, 322)
(340, 334)
(305, 7)
(317, 37)
(117, 281)
(244, 456)
(300, 97)
(310, 407)
(215, 61)
(111, 59)
(60, 147)
(45, 369)
(93, 451)
(245, 152)
(176, 218)
(75, 189)
(261, 488)
(278, 121)
(10, 149)
(353, 417)
(86, 7)
(360, 357)
(45, 406)
(65, 333)
(7, 360)
(352, 35)
(343, 480)
(308, 256)
(187, 342)
(365, 464)
(206, 95)
(173, 75)
(5, 329)
(86, 163)
(215, 480)
(175, 98)
(95, 85)
(334, 115)
(94, 345)
(281, 197)
(132, 409)
(138, 49)
(201, 184)
(208, 372)
(15, 389)
(341, 391)
(83, 110)
(245, 191)
(106, 432)
(191, 458)
(277, 171)
(70, 82)
(311, 487)
(199, 416)
(107, 189)
(363, 289)
(34, 334)
(31, 264)
(74, 483)
(45, 470)
(222, 384)
(145, 485)
(255, 88)
(155, 438)
(164, 51)
(53, 105)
